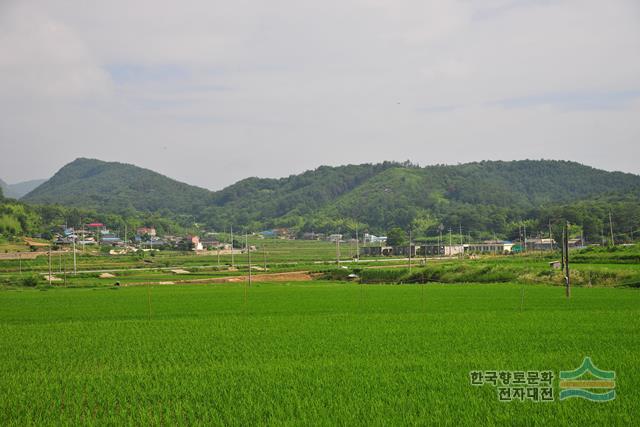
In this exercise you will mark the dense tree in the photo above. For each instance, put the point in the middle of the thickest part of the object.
(397, 237)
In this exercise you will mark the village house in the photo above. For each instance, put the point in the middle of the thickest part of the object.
(97, 226)
(312, 236)
(430, 250)
(195, 241)
(146, 231)
(405, 251)
(541, 244)
(370, 238)
(376, 251)
(489, 247)
(110, 239)
(209, 242)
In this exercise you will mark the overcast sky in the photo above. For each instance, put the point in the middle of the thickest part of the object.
(210, 92)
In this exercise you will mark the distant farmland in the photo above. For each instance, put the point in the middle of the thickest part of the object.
(307, 353)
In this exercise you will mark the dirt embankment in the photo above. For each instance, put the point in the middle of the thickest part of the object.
(22, 255)
(292, 276)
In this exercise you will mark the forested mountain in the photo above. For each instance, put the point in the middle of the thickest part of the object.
(484, 197)
(118, 188)
(16, 191)
(20, 189)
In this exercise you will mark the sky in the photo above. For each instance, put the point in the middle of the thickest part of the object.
(210, 92)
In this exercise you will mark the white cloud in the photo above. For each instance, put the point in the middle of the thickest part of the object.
(211, 92)
(45, 58)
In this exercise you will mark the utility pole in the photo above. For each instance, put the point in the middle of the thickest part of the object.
(567, 276)
(264, 253)
(424, 251)
(82, 230)
(613, 242)
(520, 238)
(461, 243)
(563, 248)
(125, 234)
(357, 244)
(246, 239)
(540, 242)
(75, 271)
(232, 259)
(409, 251)
(50, 266)
(550, 235)
(524, 226)
(337, 250)
(450, 243)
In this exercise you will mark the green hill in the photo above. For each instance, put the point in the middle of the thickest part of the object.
(118, 187)
(481, 195)
(489, 196)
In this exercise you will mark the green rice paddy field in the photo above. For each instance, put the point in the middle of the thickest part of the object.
(308, 353)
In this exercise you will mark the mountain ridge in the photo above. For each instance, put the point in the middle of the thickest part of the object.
(379, 195)
(20, 189)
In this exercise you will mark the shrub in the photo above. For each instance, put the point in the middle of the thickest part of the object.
(30, 281)
(384, 276)
(336, 274)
